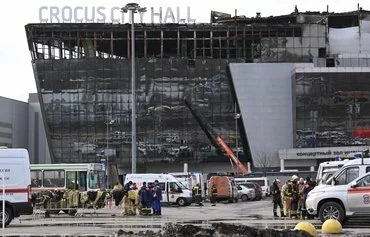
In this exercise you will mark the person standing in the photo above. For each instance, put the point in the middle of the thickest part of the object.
(285, 197)
(276, 198)
(197, 194)
(118, 194)
(308, 187)
(157, 197)
(293, 194)
(142, 198)
(213, 194)
(301, 186)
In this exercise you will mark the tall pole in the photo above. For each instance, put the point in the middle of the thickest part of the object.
(106, 151)
(3, 204)
(133, 88)
(236, 137)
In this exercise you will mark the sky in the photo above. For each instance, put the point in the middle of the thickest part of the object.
(16, 72)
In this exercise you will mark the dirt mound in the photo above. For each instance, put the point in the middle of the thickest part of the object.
(217, 229)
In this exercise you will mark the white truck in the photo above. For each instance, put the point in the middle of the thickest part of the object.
(331, 200)
(341, 201)
(173, 191)
(15, 174)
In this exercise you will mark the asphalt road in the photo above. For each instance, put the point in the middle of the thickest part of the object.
(107, 221)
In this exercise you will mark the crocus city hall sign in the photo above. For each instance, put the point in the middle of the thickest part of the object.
(100, 14)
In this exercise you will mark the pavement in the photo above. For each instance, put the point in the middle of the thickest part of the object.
(108, 221)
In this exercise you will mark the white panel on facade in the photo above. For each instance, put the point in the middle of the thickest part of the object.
(264, 92)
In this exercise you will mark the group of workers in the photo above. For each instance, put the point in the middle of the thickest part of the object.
(291, 197)
(146, 201)
(197, 194)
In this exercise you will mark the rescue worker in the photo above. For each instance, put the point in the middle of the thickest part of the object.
(197, 194)
(126, 199)
(293, 194)
(276, 198)
(157, 197)
(285, 198)
(118, 194)
(132, 201)
(118, 186)
(213, 194)
(301, 186)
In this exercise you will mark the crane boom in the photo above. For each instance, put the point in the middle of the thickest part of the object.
(216, 140)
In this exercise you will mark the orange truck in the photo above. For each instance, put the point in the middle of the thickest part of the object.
(226, 188)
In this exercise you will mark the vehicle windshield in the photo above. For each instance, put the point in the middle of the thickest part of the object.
(97, 179)
(181, 185)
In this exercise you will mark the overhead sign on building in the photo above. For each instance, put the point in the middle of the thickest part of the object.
(101, 14)
(320, 152)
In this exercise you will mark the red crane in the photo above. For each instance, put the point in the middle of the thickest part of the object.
(217, 141)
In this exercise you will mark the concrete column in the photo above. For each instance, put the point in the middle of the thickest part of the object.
(282, 165)
(186, 168)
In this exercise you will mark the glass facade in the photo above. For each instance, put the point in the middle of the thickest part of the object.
(332, 109)
(83, 76)
(87, 106)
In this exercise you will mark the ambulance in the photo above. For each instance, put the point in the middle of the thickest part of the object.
(173, 191)
(15, 182)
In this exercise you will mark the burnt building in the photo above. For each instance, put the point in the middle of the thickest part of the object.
(83, 77)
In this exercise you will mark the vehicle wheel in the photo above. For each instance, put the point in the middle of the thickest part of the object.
(181, 202)
(331, 210)
(244, 198)
(8, 215)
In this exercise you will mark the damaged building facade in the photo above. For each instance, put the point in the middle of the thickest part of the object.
(83, 77)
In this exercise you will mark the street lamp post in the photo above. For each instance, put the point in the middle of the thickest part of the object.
(236, 117)
(108, 122)
(133, 8)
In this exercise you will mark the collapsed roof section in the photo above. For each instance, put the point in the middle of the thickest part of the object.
(334, 20)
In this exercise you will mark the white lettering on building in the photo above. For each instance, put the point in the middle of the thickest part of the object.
(100, 14)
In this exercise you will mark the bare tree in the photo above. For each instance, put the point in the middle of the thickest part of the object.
(264, 161)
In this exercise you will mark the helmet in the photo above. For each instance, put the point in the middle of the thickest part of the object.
(294, 177)
(277, 180)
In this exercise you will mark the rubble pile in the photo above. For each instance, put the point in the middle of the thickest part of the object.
(217, 229)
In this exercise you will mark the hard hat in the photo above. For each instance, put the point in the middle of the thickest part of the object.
(277, 180)
(294, 177)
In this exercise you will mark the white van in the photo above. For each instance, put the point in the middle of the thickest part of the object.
(173, 191)
(350, 171)
(328, 165)
(262, 181)
(15, 170)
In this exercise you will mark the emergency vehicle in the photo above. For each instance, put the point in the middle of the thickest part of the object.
(173, 191)
(15, 182)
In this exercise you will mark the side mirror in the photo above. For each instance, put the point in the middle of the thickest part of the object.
(355, 185)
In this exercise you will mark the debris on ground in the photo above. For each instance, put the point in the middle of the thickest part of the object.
(217, 229)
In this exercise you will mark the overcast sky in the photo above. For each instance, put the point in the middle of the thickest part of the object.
(15, 60)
